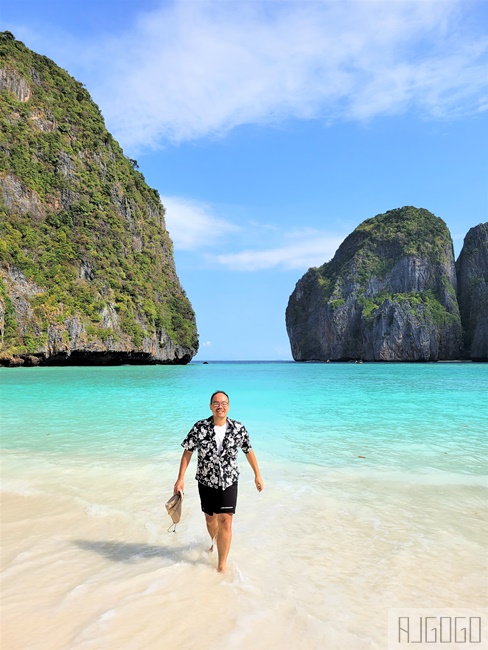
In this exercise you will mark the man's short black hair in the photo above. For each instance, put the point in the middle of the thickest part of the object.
(217, 392)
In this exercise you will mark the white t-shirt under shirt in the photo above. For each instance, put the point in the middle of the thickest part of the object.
(219, 436)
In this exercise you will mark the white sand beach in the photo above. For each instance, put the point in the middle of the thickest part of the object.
(317, 558)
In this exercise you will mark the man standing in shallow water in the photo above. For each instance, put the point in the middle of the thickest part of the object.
(218, 439)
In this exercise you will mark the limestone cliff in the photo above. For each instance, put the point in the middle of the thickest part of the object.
(472, 275)
(389, 294)
(86, 265)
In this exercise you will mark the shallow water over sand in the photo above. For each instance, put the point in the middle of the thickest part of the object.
(372, 501)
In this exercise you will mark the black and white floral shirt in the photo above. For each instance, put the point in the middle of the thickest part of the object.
(213, 470)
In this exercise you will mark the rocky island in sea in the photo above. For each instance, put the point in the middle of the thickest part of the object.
(472, 279)
(392, 293)
(86, 263)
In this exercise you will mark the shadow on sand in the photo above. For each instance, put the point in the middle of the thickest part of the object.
(130, 553)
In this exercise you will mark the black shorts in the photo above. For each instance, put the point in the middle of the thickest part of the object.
(216, 501)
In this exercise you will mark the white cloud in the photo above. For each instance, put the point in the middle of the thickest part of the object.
(192, 69)
(193, 225)
(300, 250)
(206, 344)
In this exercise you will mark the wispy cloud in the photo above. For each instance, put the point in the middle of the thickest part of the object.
(300, 250)
(193, 69)
(194, 225)
(252, 246)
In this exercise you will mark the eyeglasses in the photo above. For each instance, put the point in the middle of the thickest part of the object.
(223, 404)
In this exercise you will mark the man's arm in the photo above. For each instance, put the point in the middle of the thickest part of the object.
(251, 458)
(180, 481)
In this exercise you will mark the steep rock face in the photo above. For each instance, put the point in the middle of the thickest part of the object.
(472, 275)
(86, 265)
(389, 294)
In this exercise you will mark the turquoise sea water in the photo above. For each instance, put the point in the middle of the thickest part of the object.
(375, 498)
(399, 416)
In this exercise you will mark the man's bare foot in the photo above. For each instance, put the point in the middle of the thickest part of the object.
(221, 568)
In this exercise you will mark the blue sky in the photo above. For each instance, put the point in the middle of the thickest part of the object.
(273, 128)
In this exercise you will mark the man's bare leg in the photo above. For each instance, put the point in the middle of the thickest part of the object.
(224, 537)
(212, 527)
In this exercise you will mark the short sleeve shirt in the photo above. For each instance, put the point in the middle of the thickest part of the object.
(214, 470)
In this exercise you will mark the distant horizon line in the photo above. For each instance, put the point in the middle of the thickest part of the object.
(355, 361)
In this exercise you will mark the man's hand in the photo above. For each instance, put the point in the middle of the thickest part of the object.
(179, 486)
(251, 459)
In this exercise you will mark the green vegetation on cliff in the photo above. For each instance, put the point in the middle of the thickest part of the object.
(77, 218)
(376, 246)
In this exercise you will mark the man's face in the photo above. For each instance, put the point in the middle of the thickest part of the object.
(219, 405)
